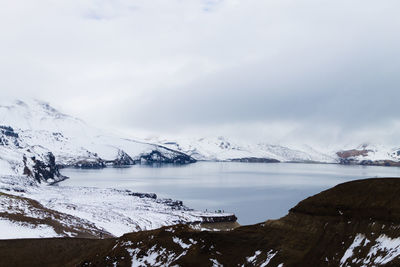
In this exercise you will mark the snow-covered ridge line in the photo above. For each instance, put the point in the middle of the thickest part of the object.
(227, 149)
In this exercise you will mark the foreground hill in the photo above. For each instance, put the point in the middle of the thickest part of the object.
(352, 224)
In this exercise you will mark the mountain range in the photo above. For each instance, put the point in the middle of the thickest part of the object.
(34, 136)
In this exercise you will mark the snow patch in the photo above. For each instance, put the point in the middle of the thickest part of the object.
(390, 247)
(14, 230)
(180, 242)
(270, 255)
(358, 240)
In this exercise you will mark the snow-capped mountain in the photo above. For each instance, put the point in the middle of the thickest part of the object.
(33, 131)
(34, 136)
(226, 149)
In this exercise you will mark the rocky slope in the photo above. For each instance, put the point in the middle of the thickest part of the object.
(352, 224)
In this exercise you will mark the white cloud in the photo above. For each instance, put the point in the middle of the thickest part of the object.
(172, 65)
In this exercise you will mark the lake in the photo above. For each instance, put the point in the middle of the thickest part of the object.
(255, 192)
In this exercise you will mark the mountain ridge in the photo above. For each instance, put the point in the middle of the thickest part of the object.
(228, 149)
(33, 129)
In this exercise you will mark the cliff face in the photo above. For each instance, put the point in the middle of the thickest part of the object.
(352, 224)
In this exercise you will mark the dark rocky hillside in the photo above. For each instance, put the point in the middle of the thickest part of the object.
(352, 224)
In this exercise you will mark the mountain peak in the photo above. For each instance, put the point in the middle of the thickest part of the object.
(34, 114)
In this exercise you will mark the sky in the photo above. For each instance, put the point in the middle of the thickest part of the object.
(278, 70)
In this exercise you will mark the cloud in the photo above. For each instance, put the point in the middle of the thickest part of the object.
(170, 66)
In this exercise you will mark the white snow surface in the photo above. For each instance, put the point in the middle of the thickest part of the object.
(16, 230)
(180, 242)
(252, 259)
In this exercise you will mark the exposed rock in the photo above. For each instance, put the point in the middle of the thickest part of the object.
(89, 164)
(141, 195)
(156, 157)
(175, 204)
(386, 163)
(380, 163)
(345, 154)
(256, 160)
(8, 136)
(123, 159)
(8, 131)
(43, 170)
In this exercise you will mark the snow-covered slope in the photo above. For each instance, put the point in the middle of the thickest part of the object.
(229, 149)
(32, 128)
(223, 148)
(370, 154)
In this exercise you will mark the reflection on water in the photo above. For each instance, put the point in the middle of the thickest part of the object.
(253, 191)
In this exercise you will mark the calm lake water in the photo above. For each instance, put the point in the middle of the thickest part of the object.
(255, 192)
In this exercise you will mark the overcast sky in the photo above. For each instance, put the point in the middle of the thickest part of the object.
(307, 69)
